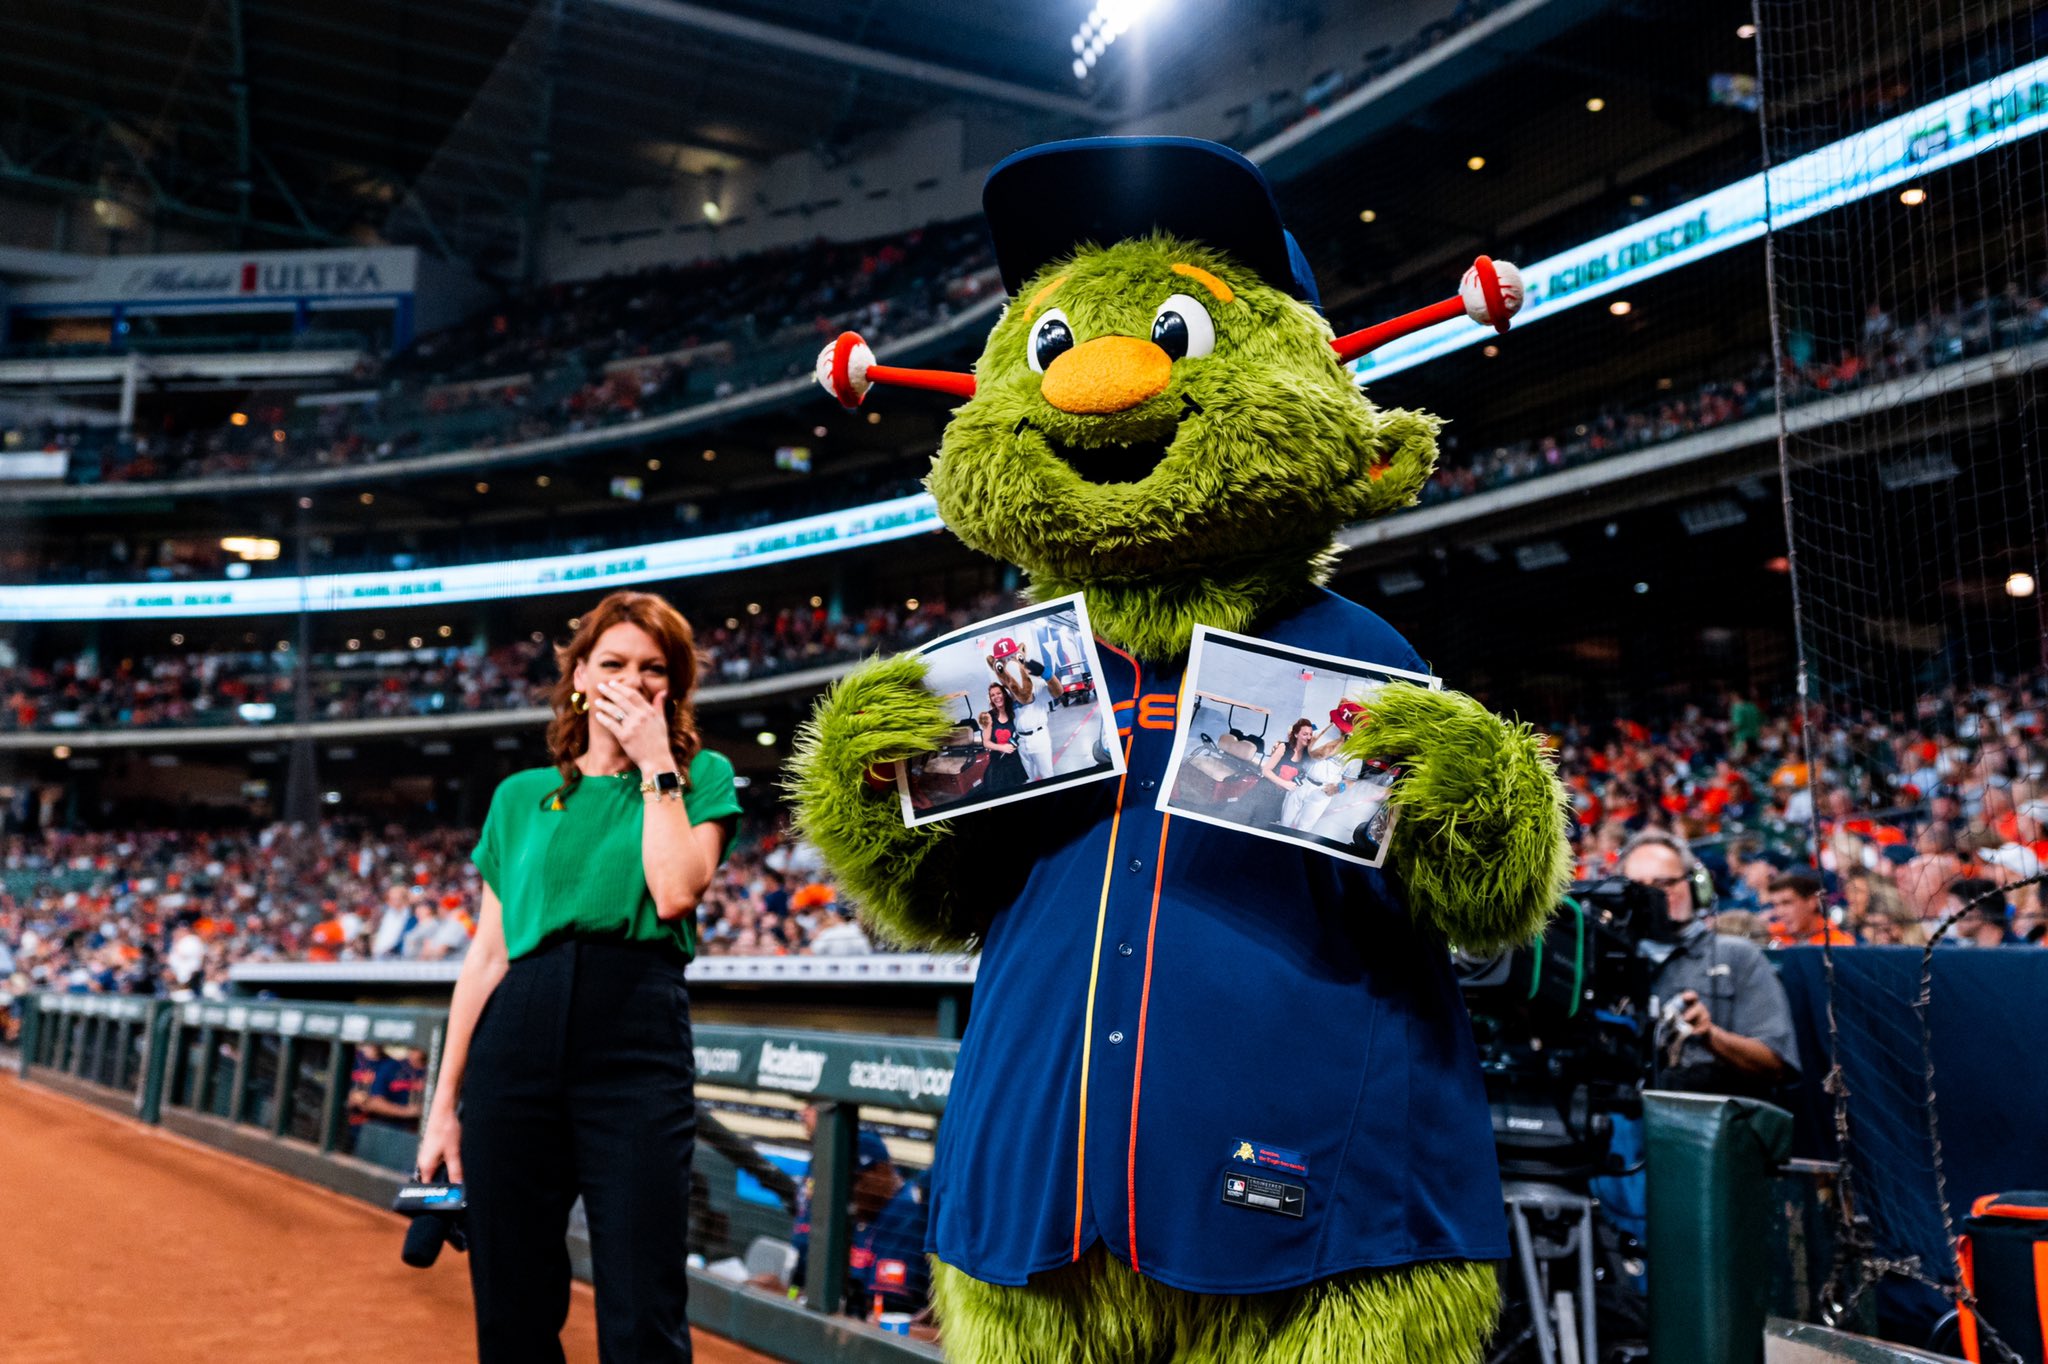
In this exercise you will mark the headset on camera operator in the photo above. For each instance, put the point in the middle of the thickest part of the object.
(1723, 1023)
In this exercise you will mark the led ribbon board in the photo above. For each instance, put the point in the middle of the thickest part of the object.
(874, 524)
(1991, 114)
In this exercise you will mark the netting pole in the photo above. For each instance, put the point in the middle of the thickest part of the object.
(1837, 1297)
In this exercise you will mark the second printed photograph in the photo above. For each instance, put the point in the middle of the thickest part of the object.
(1260, 748)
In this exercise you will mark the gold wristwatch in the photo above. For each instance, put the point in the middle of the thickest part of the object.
(663, 786)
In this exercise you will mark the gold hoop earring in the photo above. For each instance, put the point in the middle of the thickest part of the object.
(579, 703)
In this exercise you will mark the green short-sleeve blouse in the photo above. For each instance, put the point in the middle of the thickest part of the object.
(574, 865)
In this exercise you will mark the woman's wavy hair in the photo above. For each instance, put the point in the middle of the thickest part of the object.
(569, 731)
(1295, 729)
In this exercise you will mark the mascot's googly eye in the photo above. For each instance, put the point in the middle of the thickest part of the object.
(1182, 328)
(1051, 337)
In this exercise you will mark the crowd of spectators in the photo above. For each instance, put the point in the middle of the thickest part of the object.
(381, 680)
(1885, 348)
(1923, 816)
(573, 357)
(1920, 815)
(167, 912)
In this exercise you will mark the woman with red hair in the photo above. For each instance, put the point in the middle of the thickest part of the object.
(569, 1035)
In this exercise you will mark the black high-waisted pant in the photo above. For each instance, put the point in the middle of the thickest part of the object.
(579, 1082)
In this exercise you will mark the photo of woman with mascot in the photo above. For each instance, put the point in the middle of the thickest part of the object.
(1018, 729)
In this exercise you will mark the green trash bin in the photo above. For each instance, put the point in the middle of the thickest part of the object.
(1711, 1162)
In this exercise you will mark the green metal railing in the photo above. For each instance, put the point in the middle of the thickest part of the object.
(270, 1080)
(112, 1042)
(284, 1068)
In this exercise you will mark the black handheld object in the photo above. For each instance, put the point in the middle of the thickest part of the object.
(438, 1212)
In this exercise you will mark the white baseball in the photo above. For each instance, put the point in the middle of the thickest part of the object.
(858, 357)
(1475, 297)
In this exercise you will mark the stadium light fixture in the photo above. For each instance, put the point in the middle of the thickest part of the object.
(1912, 196)
(766, 738)
(238, 419)
(2020, 585)
(1595, 105)
(1475, 163)
(1621, 307)
(250, 547)
(1746, 32)
(1367, 215)
(1108, 21)
(712, 211)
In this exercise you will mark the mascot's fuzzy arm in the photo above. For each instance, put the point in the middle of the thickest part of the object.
(1480, 841)
(911, 884)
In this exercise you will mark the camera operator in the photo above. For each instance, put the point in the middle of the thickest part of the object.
(1723, 1023)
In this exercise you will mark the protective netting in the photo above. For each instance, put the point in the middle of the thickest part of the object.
(1906, 262)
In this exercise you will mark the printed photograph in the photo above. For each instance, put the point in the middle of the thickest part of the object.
(1028, 715)
(1259, 745)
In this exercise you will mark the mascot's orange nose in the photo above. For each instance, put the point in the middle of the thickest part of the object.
(1108, 374)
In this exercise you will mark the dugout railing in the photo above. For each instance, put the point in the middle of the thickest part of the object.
(271, 1080)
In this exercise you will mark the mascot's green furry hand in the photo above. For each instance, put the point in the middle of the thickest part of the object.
(1478, 841)
(877, 714)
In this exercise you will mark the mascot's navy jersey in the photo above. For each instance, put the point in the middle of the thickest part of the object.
(1275, 1081)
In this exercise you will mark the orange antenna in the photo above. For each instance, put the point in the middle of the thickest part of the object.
(847, 370)
(1490, 294)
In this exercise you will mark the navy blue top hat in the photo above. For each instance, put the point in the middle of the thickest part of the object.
(1044, 201)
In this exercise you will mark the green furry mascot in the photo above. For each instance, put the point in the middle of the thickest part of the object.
(1219, 1099)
